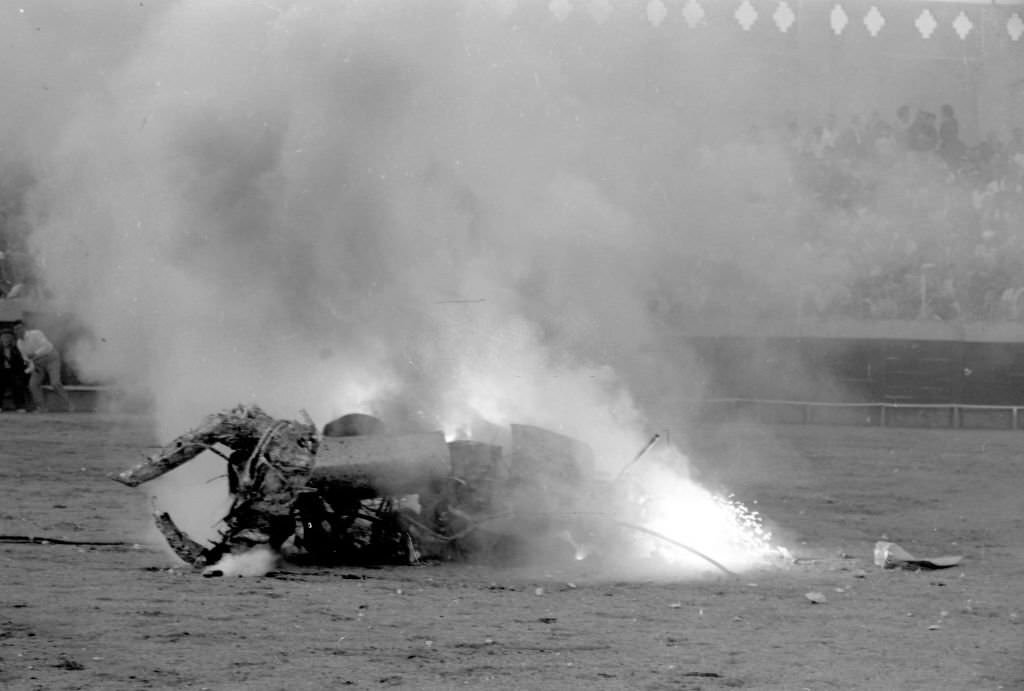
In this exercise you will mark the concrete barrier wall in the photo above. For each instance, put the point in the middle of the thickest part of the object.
(863, 370)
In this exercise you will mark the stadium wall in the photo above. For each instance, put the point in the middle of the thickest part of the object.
(875, 373)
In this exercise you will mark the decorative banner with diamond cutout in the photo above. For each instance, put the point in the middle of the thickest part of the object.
(936, 28)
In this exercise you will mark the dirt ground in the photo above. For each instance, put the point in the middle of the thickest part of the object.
(124, 616)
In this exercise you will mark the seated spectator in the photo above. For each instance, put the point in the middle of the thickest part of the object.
(829, 138)
(923, 135)
(793, 139)
(885, 147)
(950, 148)
(1015, 149)
(991, 157)
(875, 127)
(853, 142)
(904, 122)
(13, 376)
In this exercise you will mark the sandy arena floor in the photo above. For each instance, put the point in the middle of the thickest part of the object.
(124, 616)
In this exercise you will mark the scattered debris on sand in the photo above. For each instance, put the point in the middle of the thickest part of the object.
(889, 555)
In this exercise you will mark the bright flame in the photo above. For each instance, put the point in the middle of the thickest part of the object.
(655, 494)
(513, 378)
(719, 527)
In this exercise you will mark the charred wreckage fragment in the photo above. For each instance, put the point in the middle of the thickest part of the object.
(356, 494)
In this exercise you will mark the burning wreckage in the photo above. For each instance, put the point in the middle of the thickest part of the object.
(356, 494)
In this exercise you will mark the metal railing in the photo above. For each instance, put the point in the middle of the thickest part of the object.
(885, 409)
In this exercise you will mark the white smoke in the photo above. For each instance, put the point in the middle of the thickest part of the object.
(258, 561)
(328, 205)
(426, 210)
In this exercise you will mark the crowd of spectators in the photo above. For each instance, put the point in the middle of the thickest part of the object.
(923, 224)
(902, 217)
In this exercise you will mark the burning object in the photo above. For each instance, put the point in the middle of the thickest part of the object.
(356, 494)
(372, 497)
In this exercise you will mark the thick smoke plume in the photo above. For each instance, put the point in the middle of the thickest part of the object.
(340, 206)
(431, 211)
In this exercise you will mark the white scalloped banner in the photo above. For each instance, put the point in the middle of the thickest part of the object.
(746, 15)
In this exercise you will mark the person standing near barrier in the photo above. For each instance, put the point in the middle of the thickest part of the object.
(43, 362)
(12, 371)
